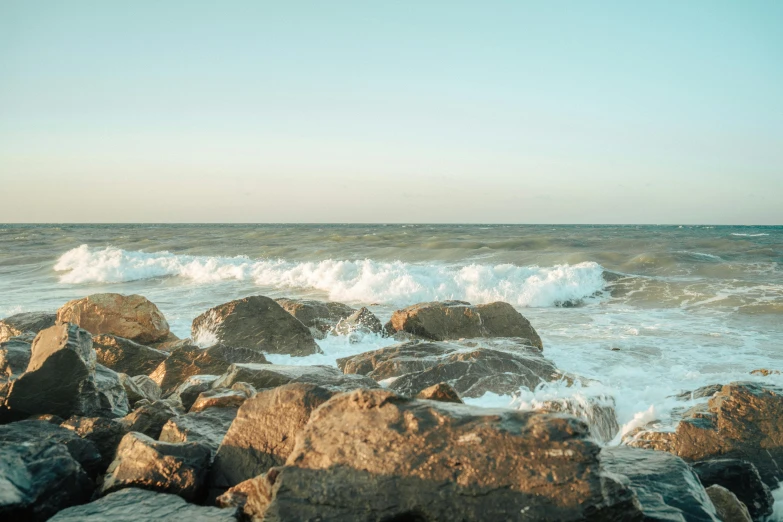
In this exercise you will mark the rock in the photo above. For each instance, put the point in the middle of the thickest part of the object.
(729, 508)
(62, 378)
(138, 505)
(319, 316)
(597, 411)
(374, 455)
(142, 462)
(195, 385)
(84, 452)
(765, 372)
(362, 320)
(448, 320)
(256, 322)
(38, 479)
(263, 432)
(105, 434)
(25, 323)
(223, 397)
(139, 387)
(742, 421)
(440, 392)
(699, 393)
(126, 356)
(741, 478)
(249, 497)
(15, 356)
(666, 487)
(133, 317)
(149, 418)
(171, 343)
(272, 375)
(189, 360)
(501, 366)
(207, 427)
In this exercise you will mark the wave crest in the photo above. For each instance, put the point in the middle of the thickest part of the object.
(364, 281)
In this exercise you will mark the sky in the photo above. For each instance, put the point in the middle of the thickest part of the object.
(360, 111)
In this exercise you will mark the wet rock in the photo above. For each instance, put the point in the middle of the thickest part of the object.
(139, 387)
(729, 508)
(742, 421)
(150, 417)
(195, 385)
(105, 434)
(25, 323)
(142, 462)
(207, 427)
(126, 356)
(472, 368)
(263, 432)
(256, 322)
(15, 355)
(361, 321)
(38, 479)
(741, 478)
(62, 378)
(189, 360)
(700, 393)
(84, 452)
(597, 411)
(440, 392)
(373, 455)
(665, 485)
(138, 505)
(320, 316)
(232, 397)
(271, 375)
(133, 317)
(448, 320)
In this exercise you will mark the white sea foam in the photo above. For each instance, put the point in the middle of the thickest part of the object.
(748, 235)
(364, 281)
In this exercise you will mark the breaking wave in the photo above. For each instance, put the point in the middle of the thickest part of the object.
(365, 281)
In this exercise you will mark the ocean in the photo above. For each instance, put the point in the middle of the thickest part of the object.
(642, 312)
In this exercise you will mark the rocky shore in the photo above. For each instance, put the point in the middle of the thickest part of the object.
(106, 415)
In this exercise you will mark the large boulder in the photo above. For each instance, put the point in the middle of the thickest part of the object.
(38, 479)
(142, 462)
(190, 360)
(472, 368)
(105, 434)
(319, 316)
(133, 317)
(741, 478)
(744, 420)
(263, 433)
(25, 323)
(63, 379)
(374, 455)
(232, 397)
(15, 355)
(138, 505)
(666, 486)
(447, 320)
(207, 427)
(126, 356)
(271, 375)
(256, 322)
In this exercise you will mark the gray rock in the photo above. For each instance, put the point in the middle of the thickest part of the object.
(150, 417)
(271, 375)
(232, 397)
(729, 508)
(125, 356)
(15, 355)
(362, 321)
(105, 434)
(139, 388)
(25, 323)
(195, 385)
(207, 427)
(741, 478)
(319, 316)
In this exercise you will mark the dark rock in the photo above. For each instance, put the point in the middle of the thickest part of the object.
(742, 421)
(263, 432)
(139, 387)
(472, 368)
(741, 478)
(15, 356)
(223, 397)
(373, 455)
(728, 507)
(449, 320)
(256, 322)
(105, 434)
(133, 317)
(207, 427)
(142, 462)
(38, 479)
(320, 316)
(361, 321)
(192, 388)
(138, 505)
(440, 392)
(149, 418)
(25, 323)
(192, 360)
(272, 375)
(125, 356)
(665, 485)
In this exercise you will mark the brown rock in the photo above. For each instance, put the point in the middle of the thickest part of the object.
(150, 417)
(106, 434)
(25, 323)
(189, 391)
(440, 392)
(271, 375)
(448, 320)
(126, 356)
(729, 508)
(320, 316)
(232, 397)
(207, 427)
(133, 317)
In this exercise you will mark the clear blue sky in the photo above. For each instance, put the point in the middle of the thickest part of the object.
(364, 111)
